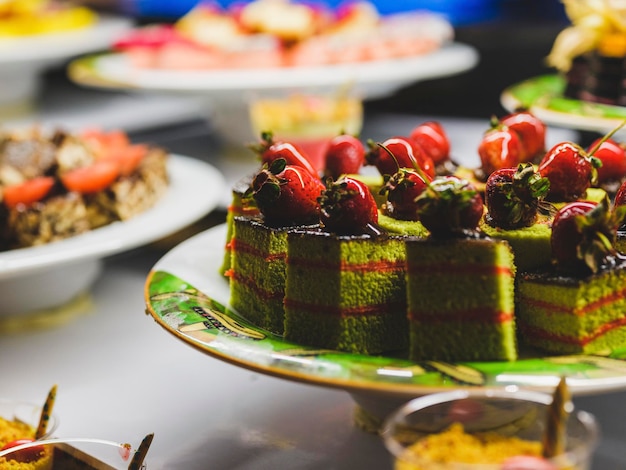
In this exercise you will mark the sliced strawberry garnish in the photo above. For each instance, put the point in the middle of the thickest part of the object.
(27, 192)
(93, 178)
(127, 158)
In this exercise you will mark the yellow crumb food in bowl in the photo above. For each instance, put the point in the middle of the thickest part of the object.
(455, 445)
(36, 458)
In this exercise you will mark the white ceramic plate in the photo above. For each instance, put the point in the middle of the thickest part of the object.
(23, 59)
(369, 79)
(53, 47)
(56, 272)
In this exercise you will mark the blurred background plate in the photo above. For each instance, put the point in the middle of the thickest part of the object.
(24, 58)
(59, 272)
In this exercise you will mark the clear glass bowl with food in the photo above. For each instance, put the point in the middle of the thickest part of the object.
(503, 429)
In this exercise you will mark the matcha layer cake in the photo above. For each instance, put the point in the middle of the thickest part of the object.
(257, 272)
(346, 292)
(401, 227)
(236, 208)
(567, 315)
(461, 299)
(531, 245)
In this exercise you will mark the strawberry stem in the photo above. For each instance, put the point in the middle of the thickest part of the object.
(606, 137)
(416, 167)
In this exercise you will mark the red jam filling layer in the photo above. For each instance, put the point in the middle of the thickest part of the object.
(463, 316)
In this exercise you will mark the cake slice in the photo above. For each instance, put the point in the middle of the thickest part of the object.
(257, 271)
(346, 292)
(571, 315)
(461, 299)
(286, 196)
(460, 283)
(578, 304)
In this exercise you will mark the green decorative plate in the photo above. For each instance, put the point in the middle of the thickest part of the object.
(543, 96)
(188, 297)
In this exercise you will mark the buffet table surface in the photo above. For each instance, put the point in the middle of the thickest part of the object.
(120, 376)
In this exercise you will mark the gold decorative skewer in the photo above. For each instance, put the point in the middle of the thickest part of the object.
(137, 460)
(46, 411)
(556, 416)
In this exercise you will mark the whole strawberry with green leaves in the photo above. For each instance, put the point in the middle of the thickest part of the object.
(269, 150)
(514, 196)
(348, 207)
(450, 207)
(583, 236)
(286, 194)
(402, 189)
(571, 171)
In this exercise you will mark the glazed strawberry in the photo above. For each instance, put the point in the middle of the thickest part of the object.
(583, 236)
(345, 155)
(398, 152)
(500, 147)
(570, 169)
(402, 189)
(269, 150)
(348, 207)
(432, 138)
(449, 207)
(286, 194)
(613, 158)
(531, 131)
(513, 196)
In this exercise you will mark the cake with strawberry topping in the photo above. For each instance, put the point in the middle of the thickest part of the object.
(345, 286)
(577, 306)
(460, 283)
(286, 196)
(516, 212)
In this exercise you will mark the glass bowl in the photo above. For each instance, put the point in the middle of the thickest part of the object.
(29, 413)
(507, 416)
(308, 121)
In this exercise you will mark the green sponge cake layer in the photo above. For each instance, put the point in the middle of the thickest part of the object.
(401, 227)
(346, 292)
(236, 208)
(570, 315)
(257, 273)
(461, 300)
(530, 245)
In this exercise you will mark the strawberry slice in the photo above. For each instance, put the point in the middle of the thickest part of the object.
(93, 178)
(28, 192)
